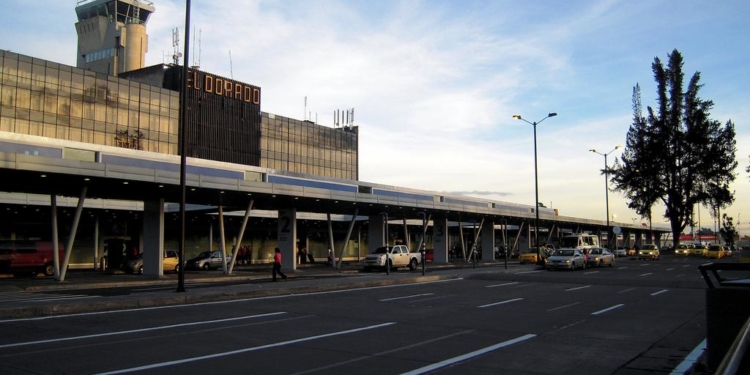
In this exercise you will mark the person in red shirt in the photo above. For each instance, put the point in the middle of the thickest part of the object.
(277, 264)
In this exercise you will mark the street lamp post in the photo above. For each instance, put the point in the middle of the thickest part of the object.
(536, 183)
(606, 184)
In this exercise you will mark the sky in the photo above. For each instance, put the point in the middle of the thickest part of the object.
(435, 83)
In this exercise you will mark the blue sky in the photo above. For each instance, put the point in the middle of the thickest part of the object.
(434, 84)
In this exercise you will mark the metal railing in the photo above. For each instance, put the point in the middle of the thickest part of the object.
(716, 269)
(732, 362)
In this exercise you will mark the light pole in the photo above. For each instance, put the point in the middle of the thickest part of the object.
(536, 184)
(606, 183)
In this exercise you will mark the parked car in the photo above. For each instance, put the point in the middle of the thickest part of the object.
(207, 260)
(683, 250)
(24, 258)
(620, 252)
(600, 257)
(392, 257)
(715, 251)
(170, 263)
(649, 251)
(566, 259)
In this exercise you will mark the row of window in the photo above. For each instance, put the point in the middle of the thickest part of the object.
(106, 53)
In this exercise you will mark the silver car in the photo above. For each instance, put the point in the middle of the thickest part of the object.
(566, 259)
(600, 257)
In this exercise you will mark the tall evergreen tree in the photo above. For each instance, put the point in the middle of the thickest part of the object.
(676, 154)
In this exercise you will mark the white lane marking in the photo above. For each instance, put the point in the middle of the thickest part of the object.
(690, 360)
(646, 274)
(137, 330)
(381, 354)
(659, 292)
(500, 303)
(564, 306)
(245, 350)
(622, 268)
(626, 290)
(525, 272)
(506, 284)
(468, 356)
(687, 265)
(141, 309)
(590, 272)
(405, 297)
(571, 325)
(670, 269)
(681, 275)
(580, 287)
(608, 309)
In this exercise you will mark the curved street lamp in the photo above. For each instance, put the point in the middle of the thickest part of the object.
(536, 183)
(606, 184)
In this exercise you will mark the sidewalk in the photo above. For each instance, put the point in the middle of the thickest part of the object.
(90, 291)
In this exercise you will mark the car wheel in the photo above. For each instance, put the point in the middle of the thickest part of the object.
(140, 270)
(600, 263)
(177, 268)
(612, 263)
(413, 264)
(49, 270)
(206, 267)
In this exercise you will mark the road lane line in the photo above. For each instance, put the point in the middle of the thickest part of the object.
(646, 274)
(659, 292)
(245, 350)
(608, 309)
(381, 354)
(626, 290)
(687, 265)
(564, 307)
(690, 360)
(580, 287)
(496, 285)
(500, 303)
(137, 330)
(525, 272)
(142, 309)
(405, 297)
(590, 272)
(622, 268)
(468, 356)
(670, 269)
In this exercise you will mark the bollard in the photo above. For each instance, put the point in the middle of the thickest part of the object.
(424, 259)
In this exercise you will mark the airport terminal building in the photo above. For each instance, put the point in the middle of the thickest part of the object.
(111, 121)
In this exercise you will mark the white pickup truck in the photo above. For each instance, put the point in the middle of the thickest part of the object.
(398, 256)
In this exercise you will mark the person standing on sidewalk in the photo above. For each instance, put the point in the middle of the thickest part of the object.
(277, 264)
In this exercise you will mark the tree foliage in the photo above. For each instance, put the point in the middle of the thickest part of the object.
(675, 153)
(728, 230)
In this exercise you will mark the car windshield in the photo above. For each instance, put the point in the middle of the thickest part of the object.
(380, 250)
(714, 248)
(204, 254)
(595, 251)
(564, 253)
(569, 242)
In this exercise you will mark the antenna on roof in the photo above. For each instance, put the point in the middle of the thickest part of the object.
(176, 43)
(198, 64)
(231, 72)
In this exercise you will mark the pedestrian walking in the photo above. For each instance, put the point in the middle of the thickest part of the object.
(277, 264)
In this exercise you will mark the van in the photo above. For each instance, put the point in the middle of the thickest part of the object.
(579, 241)
(28, 257)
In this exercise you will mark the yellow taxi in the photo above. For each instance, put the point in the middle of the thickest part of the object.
(714, 251)
(529, 256)
(699, 250)
(683, 249)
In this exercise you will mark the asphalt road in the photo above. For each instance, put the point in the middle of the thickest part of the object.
(639, 317)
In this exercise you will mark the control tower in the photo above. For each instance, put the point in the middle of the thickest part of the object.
(112, 34)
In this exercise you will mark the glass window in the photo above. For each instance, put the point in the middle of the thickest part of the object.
(23, 98)
(8, 94)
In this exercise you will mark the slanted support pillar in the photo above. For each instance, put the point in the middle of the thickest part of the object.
(55, 237)
(239, 237)
(287, 238)
(346, 240)
(73, 231)
(153, 237)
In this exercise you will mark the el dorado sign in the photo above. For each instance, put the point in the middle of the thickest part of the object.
(220, 86)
